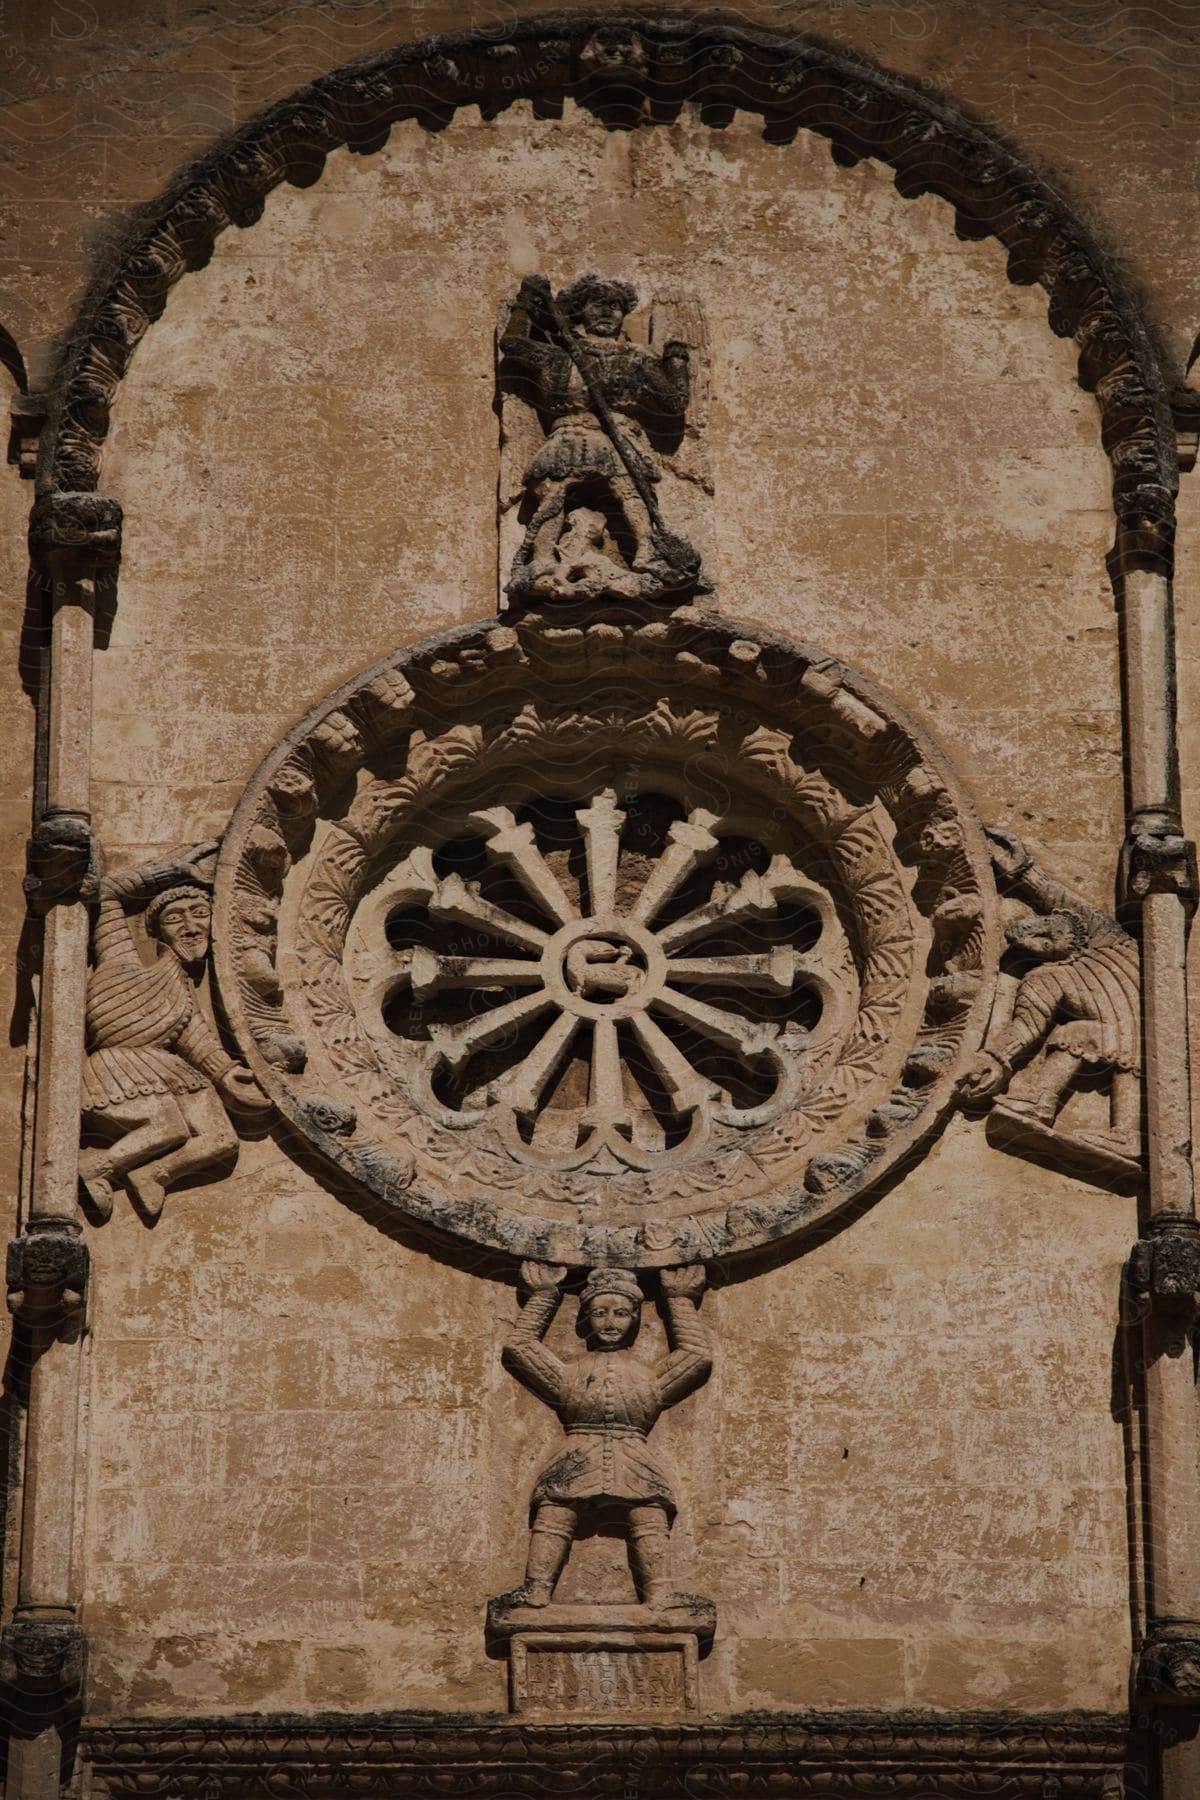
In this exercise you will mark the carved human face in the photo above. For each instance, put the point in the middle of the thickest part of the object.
(612, 1321)
(602, 316)
(184, 928)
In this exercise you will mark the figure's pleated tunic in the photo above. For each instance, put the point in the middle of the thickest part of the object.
(608, 1400)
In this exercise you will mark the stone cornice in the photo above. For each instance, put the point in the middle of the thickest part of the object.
(1003, 1755)
(632, 71)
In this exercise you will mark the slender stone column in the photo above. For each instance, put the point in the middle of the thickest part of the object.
(1157, 892)
(73, 538)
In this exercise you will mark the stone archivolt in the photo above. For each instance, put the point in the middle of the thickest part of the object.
(586, 974)
(633, 72)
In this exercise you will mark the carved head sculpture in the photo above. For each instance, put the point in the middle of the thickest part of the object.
(610, 1308)
(598, 305)
(941, 836)
(1052, 938)
(181, 918)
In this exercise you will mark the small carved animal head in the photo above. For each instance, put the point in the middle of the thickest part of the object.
(1053, 938)
(181, 919)
(598, 304)
(940, 837)
(610, 1308)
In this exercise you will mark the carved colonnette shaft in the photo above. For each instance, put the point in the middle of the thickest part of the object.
(1157, 883)
(73, 538)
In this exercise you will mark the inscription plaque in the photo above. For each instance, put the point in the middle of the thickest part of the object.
(617, 1672)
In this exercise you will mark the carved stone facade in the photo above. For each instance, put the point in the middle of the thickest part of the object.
(601, 666)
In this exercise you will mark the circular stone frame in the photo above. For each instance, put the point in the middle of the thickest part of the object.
(332, 812)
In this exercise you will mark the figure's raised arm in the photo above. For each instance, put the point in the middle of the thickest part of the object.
(690, 1360)
(112, 936)
(524, 1352)
(1022, 877)
(520, 350)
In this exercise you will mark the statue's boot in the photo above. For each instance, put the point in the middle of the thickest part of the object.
(96, 1175)
(148, 1189)
(649, 1553)
(547, 1553)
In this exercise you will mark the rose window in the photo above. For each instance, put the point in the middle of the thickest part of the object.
(649, 940)
(601, 978)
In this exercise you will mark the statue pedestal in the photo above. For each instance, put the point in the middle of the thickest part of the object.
(602, 1661)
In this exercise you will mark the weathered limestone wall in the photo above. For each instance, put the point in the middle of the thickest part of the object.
(307, 1470)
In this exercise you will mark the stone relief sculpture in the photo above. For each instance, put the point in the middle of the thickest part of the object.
(1075, 1017)
(598, 977)
(157, 1081)
(608, 1400)
(595, 527)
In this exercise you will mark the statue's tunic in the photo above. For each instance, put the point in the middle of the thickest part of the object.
(1094, 995)
(145, 1033)
(632, 381)
(607, 1400)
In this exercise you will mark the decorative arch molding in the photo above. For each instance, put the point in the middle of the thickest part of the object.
(629, 72)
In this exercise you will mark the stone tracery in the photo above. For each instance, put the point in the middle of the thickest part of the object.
(502, 977)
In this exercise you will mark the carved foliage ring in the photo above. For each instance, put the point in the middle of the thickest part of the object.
(586, 974)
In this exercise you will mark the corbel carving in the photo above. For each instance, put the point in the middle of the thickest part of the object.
(43, 1657)
(1075, 1014)
(1164, 1265)
(27, 418)
(83, 527)
(62, 863)
(158, 1084)
(1168, 1664)
(1145, 537)
(47, 1271)
(1156, 858)
(1185, 411)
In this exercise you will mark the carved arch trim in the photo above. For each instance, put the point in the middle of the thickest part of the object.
(629, 72)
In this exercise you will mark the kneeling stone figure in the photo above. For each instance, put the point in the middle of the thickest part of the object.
(608, 1399)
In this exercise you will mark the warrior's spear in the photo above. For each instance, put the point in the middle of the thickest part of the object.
(676, 550)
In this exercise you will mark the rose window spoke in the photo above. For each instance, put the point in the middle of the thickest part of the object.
(623, 996)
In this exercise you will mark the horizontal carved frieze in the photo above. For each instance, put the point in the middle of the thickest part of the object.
(1005, 1756)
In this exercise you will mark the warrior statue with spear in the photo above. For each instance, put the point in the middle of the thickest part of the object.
(596, 528)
